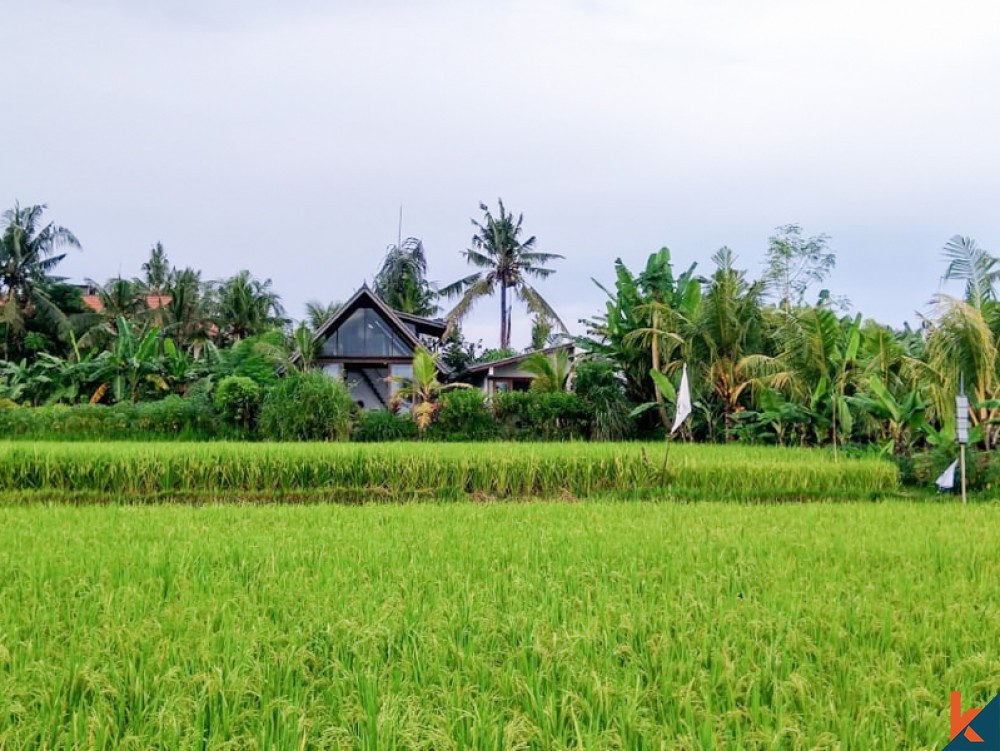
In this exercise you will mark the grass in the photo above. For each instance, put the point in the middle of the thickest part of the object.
(403, 470)
(489, 626)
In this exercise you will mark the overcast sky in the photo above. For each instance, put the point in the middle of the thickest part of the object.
(283, 137)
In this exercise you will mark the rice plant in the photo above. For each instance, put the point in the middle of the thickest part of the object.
(139, 471)
(595, 625)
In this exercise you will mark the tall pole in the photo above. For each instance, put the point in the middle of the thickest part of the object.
(962, 429)
(964, 501)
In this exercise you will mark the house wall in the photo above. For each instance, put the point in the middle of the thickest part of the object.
(486, 382)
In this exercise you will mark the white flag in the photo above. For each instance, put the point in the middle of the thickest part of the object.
(683, 401)
(947, 479)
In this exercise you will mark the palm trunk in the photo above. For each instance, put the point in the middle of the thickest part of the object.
(504, 326)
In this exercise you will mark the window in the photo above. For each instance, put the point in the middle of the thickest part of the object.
(365, 333)
(400, 370)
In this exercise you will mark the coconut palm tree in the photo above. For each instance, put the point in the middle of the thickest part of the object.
(156, 271)
(187, 316)
(318, 313)
(507, 263)
(119, 299)
(246, 306)
(402, 281)
(728, 325)
(969, 263)
(27, 257)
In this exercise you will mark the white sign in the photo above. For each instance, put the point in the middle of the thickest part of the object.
(962, 418)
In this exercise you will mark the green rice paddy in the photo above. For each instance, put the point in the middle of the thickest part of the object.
(364, 472)
(551, 625)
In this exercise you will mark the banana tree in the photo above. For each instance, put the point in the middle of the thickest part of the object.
(904, 417)
(645, 325)
(132, 360)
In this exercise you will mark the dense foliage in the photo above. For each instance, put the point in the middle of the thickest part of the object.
(307, 407)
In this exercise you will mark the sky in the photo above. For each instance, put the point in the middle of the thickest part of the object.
(284, 137)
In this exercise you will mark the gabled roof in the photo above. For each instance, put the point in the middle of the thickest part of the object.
(483, 367)
(395, 319)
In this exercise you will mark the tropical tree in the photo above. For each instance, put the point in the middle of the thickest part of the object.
(156, 271)
(187, 317)
(903, 418)
(245, 306)
(963, 338)
(28, 256)
(402, 283)
(118, 298)
(728, 325)
(963, 349)
(645, 326)
(318, 313)
(297, 353)
(817, 366)
(423, 389)
(551, 372)
(795, 262)
(133, 361)
(507, 263)
(974, 266)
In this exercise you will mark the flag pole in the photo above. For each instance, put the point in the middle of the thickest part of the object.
(962, 425)
(666, 454)
(683, 409)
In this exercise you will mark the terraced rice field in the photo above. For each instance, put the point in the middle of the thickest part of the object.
(547, 625)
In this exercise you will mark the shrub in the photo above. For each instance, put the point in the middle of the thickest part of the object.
(600, 387)
(172, 417)
(982, 468)
(534, 415)
(237, 400)
(382, 425)
(307, 407)
(463, 416)
(249, 357)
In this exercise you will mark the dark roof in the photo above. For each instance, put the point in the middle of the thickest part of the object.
(485, 366)
(434, 325)
(394, 317)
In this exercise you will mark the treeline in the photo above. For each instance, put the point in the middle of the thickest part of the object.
(772, 359)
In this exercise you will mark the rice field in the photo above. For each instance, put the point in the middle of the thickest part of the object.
(365, 472)
(552, 625)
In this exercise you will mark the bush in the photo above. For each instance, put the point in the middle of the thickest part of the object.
(237, 400)
(534, 415)
(307, 407)
(382, 425)
(249, 357)
(597, 383)
(463, 416)
(172, 417)
(982, 468)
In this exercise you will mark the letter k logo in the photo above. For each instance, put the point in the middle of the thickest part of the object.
(960, 722)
